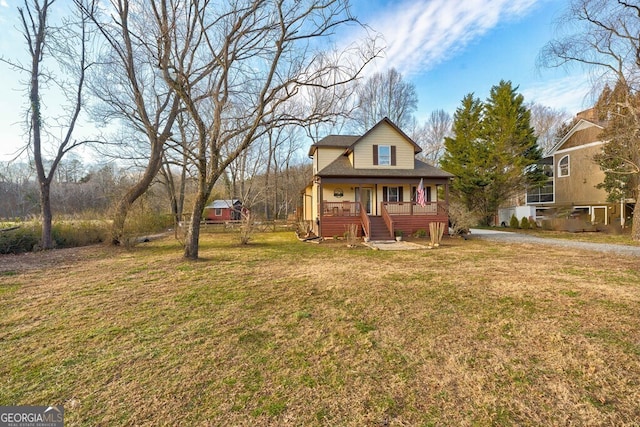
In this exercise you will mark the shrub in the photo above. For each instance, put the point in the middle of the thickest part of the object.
(420, 233)
(68, 234)
(460, 219)
(514, 223)
(524, 223)
(23, 239)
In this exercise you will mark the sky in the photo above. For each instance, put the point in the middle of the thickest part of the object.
(446, 48)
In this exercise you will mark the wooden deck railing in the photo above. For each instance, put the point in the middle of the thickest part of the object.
(340, 208)
(413, 208)
(366, 223)
(387, 219)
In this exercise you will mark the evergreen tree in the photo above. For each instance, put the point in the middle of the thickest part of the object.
(461, 156)
(494, 152)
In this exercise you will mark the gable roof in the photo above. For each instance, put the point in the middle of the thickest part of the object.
(341, 167)
(222, 204)
(582, 124)
(386, 121)
(335, 141)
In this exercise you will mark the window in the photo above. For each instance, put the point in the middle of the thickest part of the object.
(218, 212)
(392, 194)
(563, 166)
(384, 155)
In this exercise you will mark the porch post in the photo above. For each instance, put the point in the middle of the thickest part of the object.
(320, 207)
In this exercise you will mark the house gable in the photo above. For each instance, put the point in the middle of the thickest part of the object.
(384, 139)
(576, 174)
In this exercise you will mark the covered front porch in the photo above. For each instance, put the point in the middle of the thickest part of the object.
(395, 217)
(379, 207)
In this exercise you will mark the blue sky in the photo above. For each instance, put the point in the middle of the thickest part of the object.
(447, 48)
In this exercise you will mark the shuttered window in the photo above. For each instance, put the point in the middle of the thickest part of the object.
(392, 194)
(384, 155)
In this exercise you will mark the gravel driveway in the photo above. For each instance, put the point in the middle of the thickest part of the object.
(511, 237)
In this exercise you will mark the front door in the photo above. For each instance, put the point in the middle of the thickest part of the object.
(363, 195)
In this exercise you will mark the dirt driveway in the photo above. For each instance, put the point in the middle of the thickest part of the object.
(512, 237)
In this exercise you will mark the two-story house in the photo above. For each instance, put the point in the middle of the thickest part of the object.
(574, 176)
(372, 181)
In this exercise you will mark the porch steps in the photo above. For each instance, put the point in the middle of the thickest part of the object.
(379, 230)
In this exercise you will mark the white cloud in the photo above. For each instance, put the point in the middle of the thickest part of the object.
(420, 34)
(572, 93)
(4, 3)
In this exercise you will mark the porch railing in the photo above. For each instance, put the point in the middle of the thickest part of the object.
(387, 220)
(366, 223)
(340, 208)
(413, 208)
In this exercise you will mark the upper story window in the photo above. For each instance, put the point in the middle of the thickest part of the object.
(384, 155)
(563, 166)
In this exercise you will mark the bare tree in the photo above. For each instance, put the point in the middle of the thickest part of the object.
(244, 64)
(131, 88)
(431, 135)
(604, 37)
(63, 45)
(547, 123)
(382, 95)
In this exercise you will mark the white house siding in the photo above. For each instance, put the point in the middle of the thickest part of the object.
(384, 135)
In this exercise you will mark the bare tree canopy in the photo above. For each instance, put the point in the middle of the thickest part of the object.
(547, 123)
(432, 134)
(382, 95)
(604, 37)
(240, 69)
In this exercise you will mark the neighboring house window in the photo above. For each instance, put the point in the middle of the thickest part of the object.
(563, 166)
(384, 155)
(392, 194)
(218, 212)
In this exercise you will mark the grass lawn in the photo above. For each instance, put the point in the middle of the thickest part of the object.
(281, 333)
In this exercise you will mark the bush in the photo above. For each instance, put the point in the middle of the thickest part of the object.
(65, 234)
(23, 239)
(420, 233)
(460, 219)
(513, 222)
(69, 234)
(524, 223)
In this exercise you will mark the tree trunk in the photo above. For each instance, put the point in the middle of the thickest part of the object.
(122, 209)
(192, 241)
(47, 216)
(635, 224)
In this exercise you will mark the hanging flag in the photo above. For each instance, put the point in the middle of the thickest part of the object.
(420, 194)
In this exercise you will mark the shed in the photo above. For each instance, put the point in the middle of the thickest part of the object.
(223, 210)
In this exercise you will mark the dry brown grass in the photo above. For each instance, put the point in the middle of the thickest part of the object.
(280, 332)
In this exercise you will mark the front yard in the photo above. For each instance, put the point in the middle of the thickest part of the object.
(281, 332)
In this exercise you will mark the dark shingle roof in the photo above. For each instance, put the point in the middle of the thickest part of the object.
(341, 167)
(337, 141)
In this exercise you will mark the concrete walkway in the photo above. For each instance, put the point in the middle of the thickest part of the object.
(512, 237)
(392, 245)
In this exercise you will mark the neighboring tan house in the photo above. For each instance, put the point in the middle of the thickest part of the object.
(220, 211)
(372, 181)
(573, 178)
